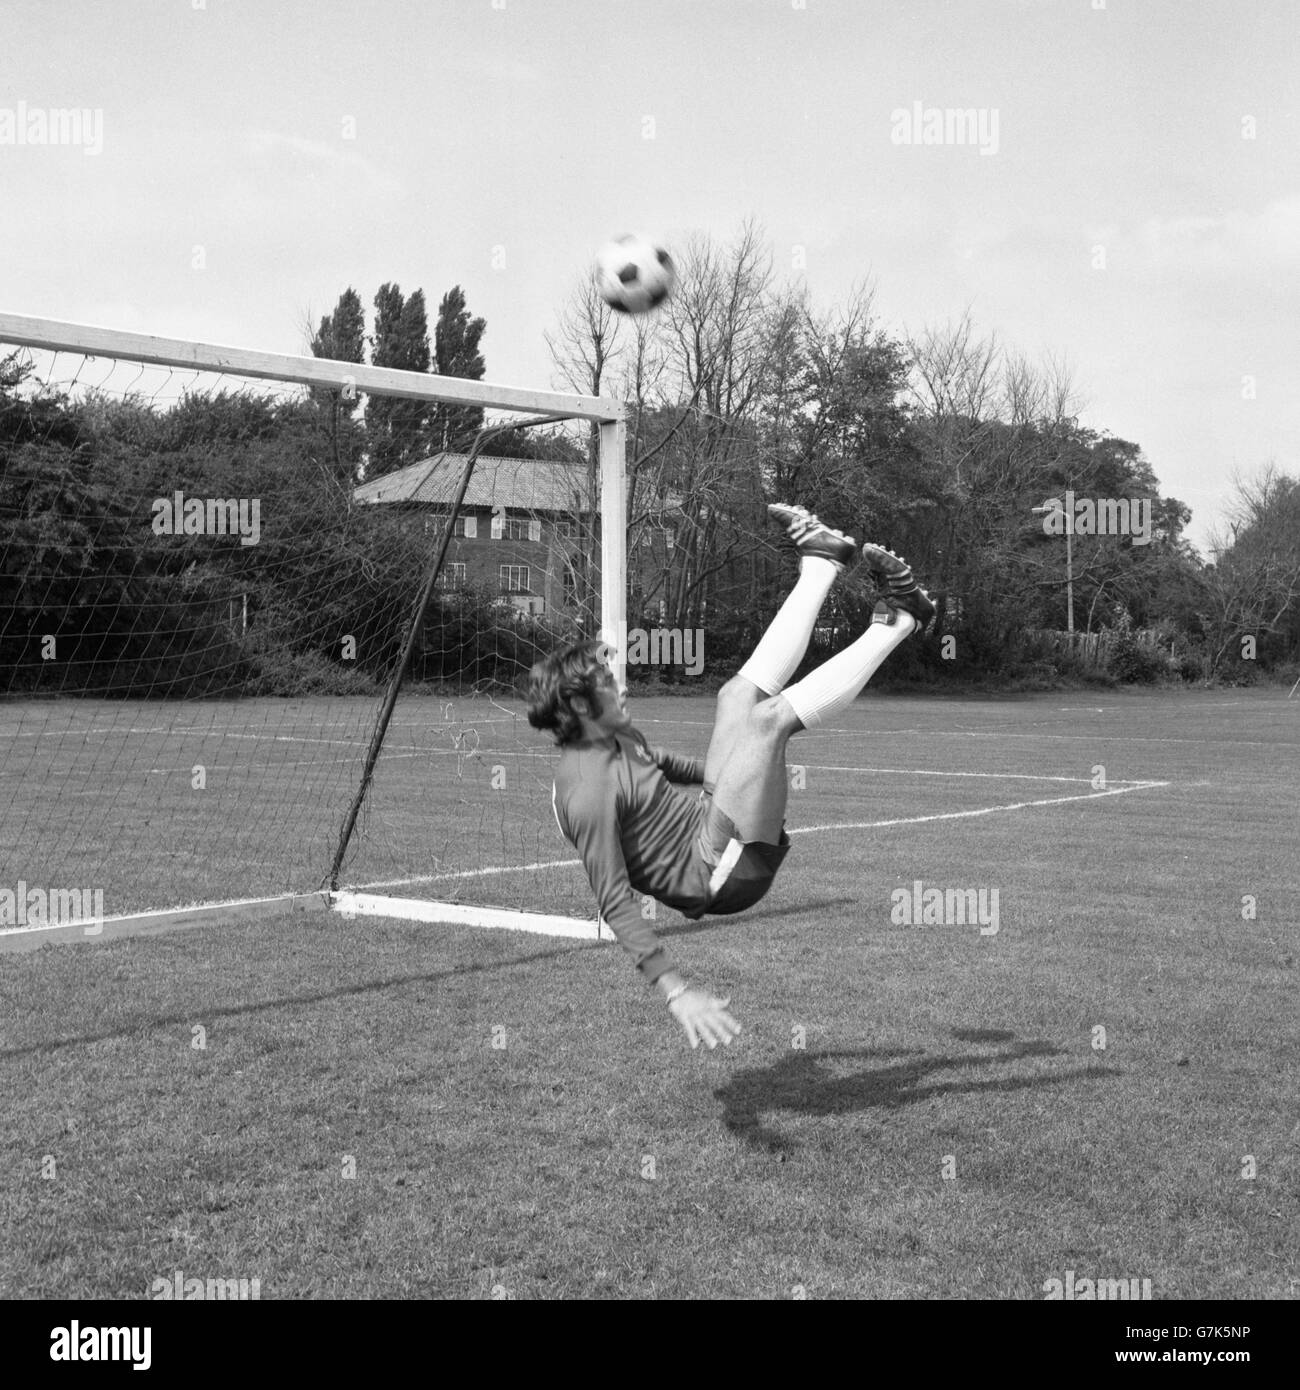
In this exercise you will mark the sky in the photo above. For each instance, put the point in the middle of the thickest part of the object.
(1130, 201)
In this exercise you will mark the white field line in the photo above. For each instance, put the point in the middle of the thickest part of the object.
(800, 830)
(377, 905)
(482, 755)
(1004, 776)
(150, 915)
(218, 731)
(241, 730)
(492, 872)
(487, 754)
(982, 811)
(573, 863)
(807, 735)
(353, 904)
(1204, 704)
(1067, 738)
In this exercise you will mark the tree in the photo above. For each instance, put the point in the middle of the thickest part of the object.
(341, 337)
(398, 429)
(456, 337)
(1254, 588)
(598, 352)
(717, 328)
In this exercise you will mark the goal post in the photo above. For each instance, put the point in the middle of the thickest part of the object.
(53, 335)
(263, 624)
(613, 539)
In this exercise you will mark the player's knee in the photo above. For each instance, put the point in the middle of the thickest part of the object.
(738, 696)
(773, 718)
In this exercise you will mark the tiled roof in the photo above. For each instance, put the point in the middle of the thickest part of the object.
(531, 484)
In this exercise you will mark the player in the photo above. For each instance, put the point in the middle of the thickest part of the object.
(638, 835)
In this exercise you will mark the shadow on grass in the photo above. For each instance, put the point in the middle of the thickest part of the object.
(810, 1083)
(131, 1027)
(144, 1024)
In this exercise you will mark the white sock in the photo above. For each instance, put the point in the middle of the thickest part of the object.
(836, 683)
(781, 647)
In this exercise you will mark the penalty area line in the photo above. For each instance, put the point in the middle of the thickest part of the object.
(351, 902)
(490, 872)
(496, 870)
(996, 776)
(980, 811)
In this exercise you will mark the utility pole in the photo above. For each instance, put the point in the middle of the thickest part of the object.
(1069, 563)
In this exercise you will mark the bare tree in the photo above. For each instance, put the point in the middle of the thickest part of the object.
(955, 388)
(1254, 586)
(717, 329)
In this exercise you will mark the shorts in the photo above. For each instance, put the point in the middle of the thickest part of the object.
(738, 873)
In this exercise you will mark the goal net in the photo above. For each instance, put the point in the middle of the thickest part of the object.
(264, 622)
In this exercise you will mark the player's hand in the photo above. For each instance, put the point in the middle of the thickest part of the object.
(704, 1018)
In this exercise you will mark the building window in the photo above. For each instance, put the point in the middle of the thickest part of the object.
(565, 530)
(465, 526)
(514, 579)
(515, 528)
(518, 528)
(452, 576)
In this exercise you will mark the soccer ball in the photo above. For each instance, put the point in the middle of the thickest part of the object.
(634, 274)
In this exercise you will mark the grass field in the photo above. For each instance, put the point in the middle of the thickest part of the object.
(910, 1111)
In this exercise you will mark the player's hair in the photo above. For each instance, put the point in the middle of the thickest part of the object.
(553, 683)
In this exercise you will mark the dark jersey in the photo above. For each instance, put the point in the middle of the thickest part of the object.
(636, 833)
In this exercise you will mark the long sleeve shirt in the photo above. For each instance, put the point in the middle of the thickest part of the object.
(615, 802)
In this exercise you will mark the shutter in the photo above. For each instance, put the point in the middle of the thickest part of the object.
(534, 530)
(471, 526)
(498, 522)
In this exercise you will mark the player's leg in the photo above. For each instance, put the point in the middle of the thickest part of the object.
(903, 609)
(823, 554)
(750, 786)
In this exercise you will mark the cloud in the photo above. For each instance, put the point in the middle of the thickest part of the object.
(327, 156)
(1237, 241)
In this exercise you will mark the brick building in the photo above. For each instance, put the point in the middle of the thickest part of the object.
(521, 529)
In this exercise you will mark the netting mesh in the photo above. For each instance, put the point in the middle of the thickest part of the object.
(206, 582)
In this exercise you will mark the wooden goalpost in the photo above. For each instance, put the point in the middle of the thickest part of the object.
(97, 349)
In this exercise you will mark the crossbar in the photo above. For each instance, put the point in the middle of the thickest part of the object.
(53, 335)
